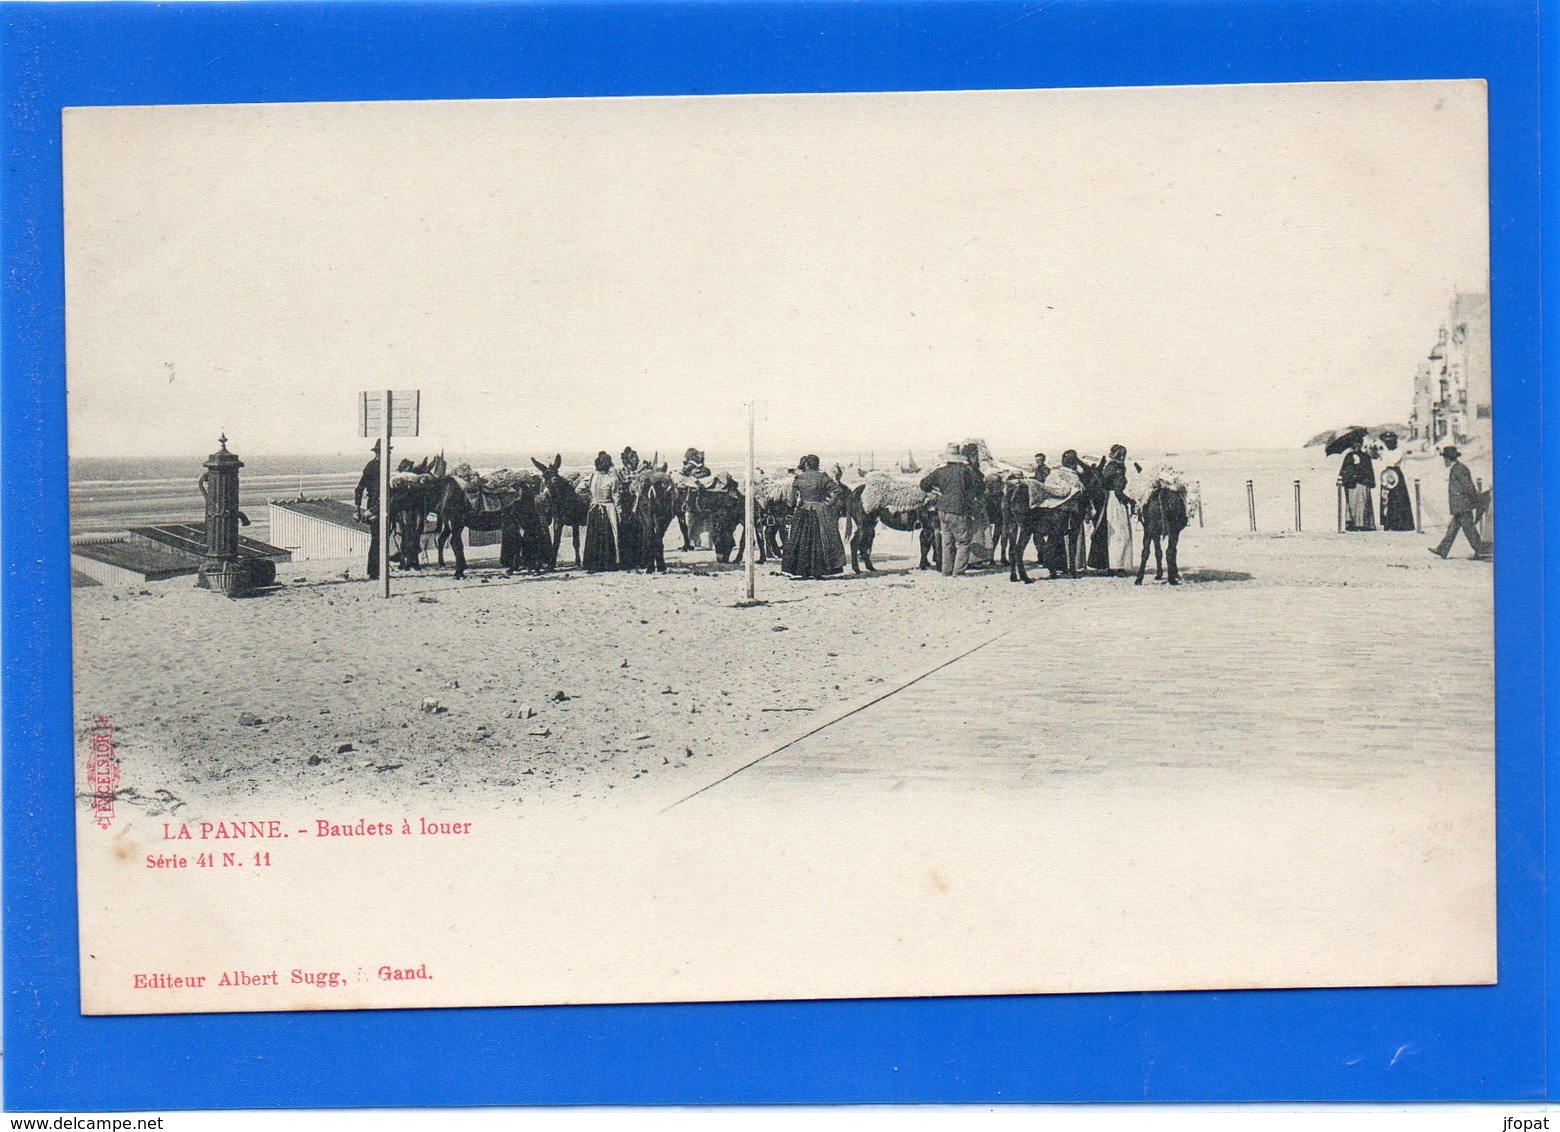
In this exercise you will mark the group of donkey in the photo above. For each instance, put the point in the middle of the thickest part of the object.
(1009, 510)
(531, 516)
(1060, 533)
(529, 513)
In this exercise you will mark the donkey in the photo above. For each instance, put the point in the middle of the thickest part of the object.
(1046, 526)
(1163, 516)
(862, 524)
(718, 509)
(710, 506)
(652, 505)
(523, 534)
(773, 513)
(411, 502)
(562, 505)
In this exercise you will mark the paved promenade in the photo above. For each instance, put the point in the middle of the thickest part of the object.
(1278, 774)
(1310, 657)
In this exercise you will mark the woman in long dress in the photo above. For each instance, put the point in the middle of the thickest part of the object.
(1397, 513)
(1113, 542)
(814, 549)
(604, 486)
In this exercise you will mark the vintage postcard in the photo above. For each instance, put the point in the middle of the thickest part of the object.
(850, 545)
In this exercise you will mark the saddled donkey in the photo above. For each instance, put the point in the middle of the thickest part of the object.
(720, 512)
(714, 505)
(414, 495)
(652, 505)
(725, 517)
(562, 505)
(1164, 518)
(717, 505)
(1040, 512)
(773, 511)
(899, 507)
(1023, 522)
(523, 534)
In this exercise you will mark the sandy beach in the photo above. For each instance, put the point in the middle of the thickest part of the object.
(577, 685)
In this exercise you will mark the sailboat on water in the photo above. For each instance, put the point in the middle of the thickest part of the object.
(908, 464)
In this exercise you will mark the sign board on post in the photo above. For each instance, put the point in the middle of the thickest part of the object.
(385, 414)
(405, 406)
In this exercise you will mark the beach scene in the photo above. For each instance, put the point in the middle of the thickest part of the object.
(1104, 600)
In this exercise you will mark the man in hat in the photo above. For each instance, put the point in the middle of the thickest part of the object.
(630, 461)
(368, 489)
(1464, 503)
(958, 488)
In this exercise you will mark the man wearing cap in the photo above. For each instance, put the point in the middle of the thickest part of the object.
(1464, 503)
(368, 489)
(958, 488)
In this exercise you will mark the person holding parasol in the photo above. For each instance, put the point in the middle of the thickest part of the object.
(1357, 477)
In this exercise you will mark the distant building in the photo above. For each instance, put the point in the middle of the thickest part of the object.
(318, 528)
(1452, 385)
(329, 528)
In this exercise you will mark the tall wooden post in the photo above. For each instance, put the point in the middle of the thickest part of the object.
(1340, 509)
(1251, 504)
(1419, 515)
(749, 543)
(1198, 485)
(1297, 507)
(384, 499)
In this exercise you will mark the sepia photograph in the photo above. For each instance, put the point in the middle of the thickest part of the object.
(772, 547)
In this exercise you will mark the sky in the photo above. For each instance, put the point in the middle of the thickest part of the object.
(1194, 267)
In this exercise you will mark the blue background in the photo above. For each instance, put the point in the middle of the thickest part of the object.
(1432, 1044)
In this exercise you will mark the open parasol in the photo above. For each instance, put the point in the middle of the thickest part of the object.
(1345, 440)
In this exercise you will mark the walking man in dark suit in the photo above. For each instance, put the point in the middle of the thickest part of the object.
(368, 491)
(1464, 503)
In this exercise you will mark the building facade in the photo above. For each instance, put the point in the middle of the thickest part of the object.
(1452, 385)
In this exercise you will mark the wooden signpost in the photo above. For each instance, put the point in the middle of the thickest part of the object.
(387, 413)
